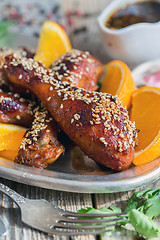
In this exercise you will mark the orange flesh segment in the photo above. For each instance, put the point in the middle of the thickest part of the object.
(118, 81)
(10, 136)
(114, 83)
(145, 112)
(9, 154)
(53, 42)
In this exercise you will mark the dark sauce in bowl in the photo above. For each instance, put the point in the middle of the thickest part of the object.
(147, 11)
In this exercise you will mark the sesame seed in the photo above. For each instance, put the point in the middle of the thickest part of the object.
(18, 117)
(2, 99)
(75, 67)
(76, 116)
(20, 76)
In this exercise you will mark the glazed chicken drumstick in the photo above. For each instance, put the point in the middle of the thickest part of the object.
(43, 148)
(41, 143)
(96, 122)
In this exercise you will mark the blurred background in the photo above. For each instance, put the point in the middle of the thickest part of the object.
(21, 20)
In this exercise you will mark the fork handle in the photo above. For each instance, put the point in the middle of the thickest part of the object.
(17, 198)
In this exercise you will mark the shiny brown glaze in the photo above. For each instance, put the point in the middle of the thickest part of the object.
(16, 110)
(40, 146)
(96, 122)
(78, 68)
(4, 84)
(40, 155)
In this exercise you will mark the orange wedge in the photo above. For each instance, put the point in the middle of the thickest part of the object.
(53, 42)
(9, 154)
(10, 136)
(118, 81)
(145, 112)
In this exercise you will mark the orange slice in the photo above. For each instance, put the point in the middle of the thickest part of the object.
(145, 112)
(10, 136)
(118, 81)
(53, 42)
(9, 154)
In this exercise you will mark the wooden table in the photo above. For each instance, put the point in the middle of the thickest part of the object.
(66, 200)
(85, 37)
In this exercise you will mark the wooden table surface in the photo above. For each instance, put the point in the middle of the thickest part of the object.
(85, 37)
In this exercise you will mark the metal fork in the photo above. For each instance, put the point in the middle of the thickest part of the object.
(44, 216)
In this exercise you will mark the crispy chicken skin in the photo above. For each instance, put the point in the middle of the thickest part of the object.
(16, 110)
(40, 145)
(95, 121)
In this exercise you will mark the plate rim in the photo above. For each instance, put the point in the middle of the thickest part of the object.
(93, 184)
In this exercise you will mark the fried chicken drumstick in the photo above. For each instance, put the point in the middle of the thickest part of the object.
(96, 122)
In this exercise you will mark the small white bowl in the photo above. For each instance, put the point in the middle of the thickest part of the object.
(134, 44)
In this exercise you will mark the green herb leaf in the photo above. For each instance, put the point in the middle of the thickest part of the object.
(147, 202)
(136, 200)
(4, 27)
(103, 210)
(142, 207)
(143, 225)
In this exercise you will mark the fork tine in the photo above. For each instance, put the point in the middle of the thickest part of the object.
(91, 215)
(88, 227)
(73, 233)
(90, 220)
